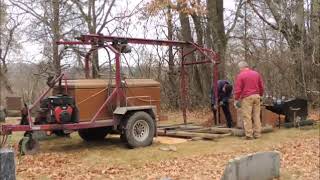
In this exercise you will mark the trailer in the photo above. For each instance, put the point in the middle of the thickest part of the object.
(96, 107)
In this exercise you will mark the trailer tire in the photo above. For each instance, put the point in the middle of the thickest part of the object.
(94, 134)
(139, 129)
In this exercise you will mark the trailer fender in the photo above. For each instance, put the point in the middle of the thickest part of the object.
(152, 110)
(126, 111)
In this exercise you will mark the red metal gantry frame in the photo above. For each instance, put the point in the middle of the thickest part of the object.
(101, 41)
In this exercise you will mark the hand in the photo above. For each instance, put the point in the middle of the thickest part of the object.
(237, 104)
(221, 103)
(214, 107)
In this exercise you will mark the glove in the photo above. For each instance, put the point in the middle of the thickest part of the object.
(237, 104)
(215, 107)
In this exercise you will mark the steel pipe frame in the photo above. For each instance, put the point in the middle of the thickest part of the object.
(214, 59)
(93, 40)
(8, 129)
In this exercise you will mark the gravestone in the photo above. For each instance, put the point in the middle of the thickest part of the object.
(7, 164)
(258, 166)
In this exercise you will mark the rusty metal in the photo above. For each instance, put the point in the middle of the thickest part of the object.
(183, 89)
(101, 41)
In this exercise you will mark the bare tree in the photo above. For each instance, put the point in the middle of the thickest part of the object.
(49, 22)
(296, 35)
(8, 27)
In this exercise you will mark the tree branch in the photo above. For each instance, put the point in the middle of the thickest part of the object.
(261, 17)
(106, 17)
(235, 19)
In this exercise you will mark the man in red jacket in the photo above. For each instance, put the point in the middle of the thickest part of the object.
(248, 91)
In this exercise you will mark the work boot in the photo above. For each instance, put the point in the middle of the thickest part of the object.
(248, 138)
(257, 136)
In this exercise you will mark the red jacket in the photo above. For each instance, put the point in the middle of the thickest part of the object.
(248, 82)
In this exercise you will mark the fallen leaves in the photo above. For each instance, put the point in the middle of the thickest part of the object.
(299, 160)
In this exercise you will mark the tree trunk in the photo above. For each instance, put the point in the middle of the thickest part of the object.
(315, 54)
(299, 53)
(205, 77)
(173, 96)
(216, 26)
(196, 86)
(56, 36)
(93, 30)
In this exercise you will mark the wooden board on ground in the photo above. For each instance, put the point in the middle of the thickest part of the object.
(195, 131)
(169, 140)
(190, 131)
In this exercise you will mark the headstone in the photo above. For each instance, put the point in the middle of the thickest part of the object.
(258, 166)
(7, 164)
(2, 114)
(13, 106)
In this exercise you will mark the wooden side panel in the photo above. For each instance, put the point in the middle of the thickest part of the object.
(89, 101)
(137, 96)
(90, 97)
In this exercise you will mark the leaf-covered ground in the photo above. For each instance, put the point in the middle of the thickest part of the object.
(74, 159)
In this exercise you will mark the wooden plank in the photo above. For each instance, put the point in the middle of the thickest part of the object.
(186, 134)
(189, 127)
(212, 130)
(240, 132)
(171, 125)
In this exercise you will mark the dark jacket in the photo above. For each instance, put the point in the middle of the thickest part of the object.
(222, 96)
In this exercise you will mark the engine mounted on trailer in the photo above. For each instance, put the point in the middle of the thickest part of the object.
(59, 109)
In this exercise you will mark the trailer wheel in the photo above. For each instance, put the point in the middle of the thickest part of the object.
(94, 134)
(28, 145)
(139, 130)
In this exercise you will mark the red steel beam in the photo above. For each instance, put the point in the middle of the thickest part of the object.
(8, 128)
(196, 62)
(92, 38)
(183, 89)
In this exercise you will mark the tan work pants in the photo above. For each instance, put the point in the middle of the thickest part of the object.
(250, 113)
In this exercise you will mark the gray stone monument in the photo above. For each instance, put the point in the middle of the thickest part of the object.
(258, 166)
(7, 164)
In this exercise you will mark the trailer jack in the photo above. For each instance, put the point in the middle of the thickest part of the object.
(28, 145)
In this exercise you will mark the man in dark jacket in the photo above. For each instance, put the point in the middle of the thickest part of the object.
(224, 94)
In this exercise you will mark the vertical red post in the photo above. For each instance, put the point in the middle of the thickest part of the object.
(183, 89)
(215, 79)
(86, 66)
(118, 78)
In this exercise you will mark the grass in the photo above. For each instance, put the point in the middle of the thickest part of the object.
(113, 151)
